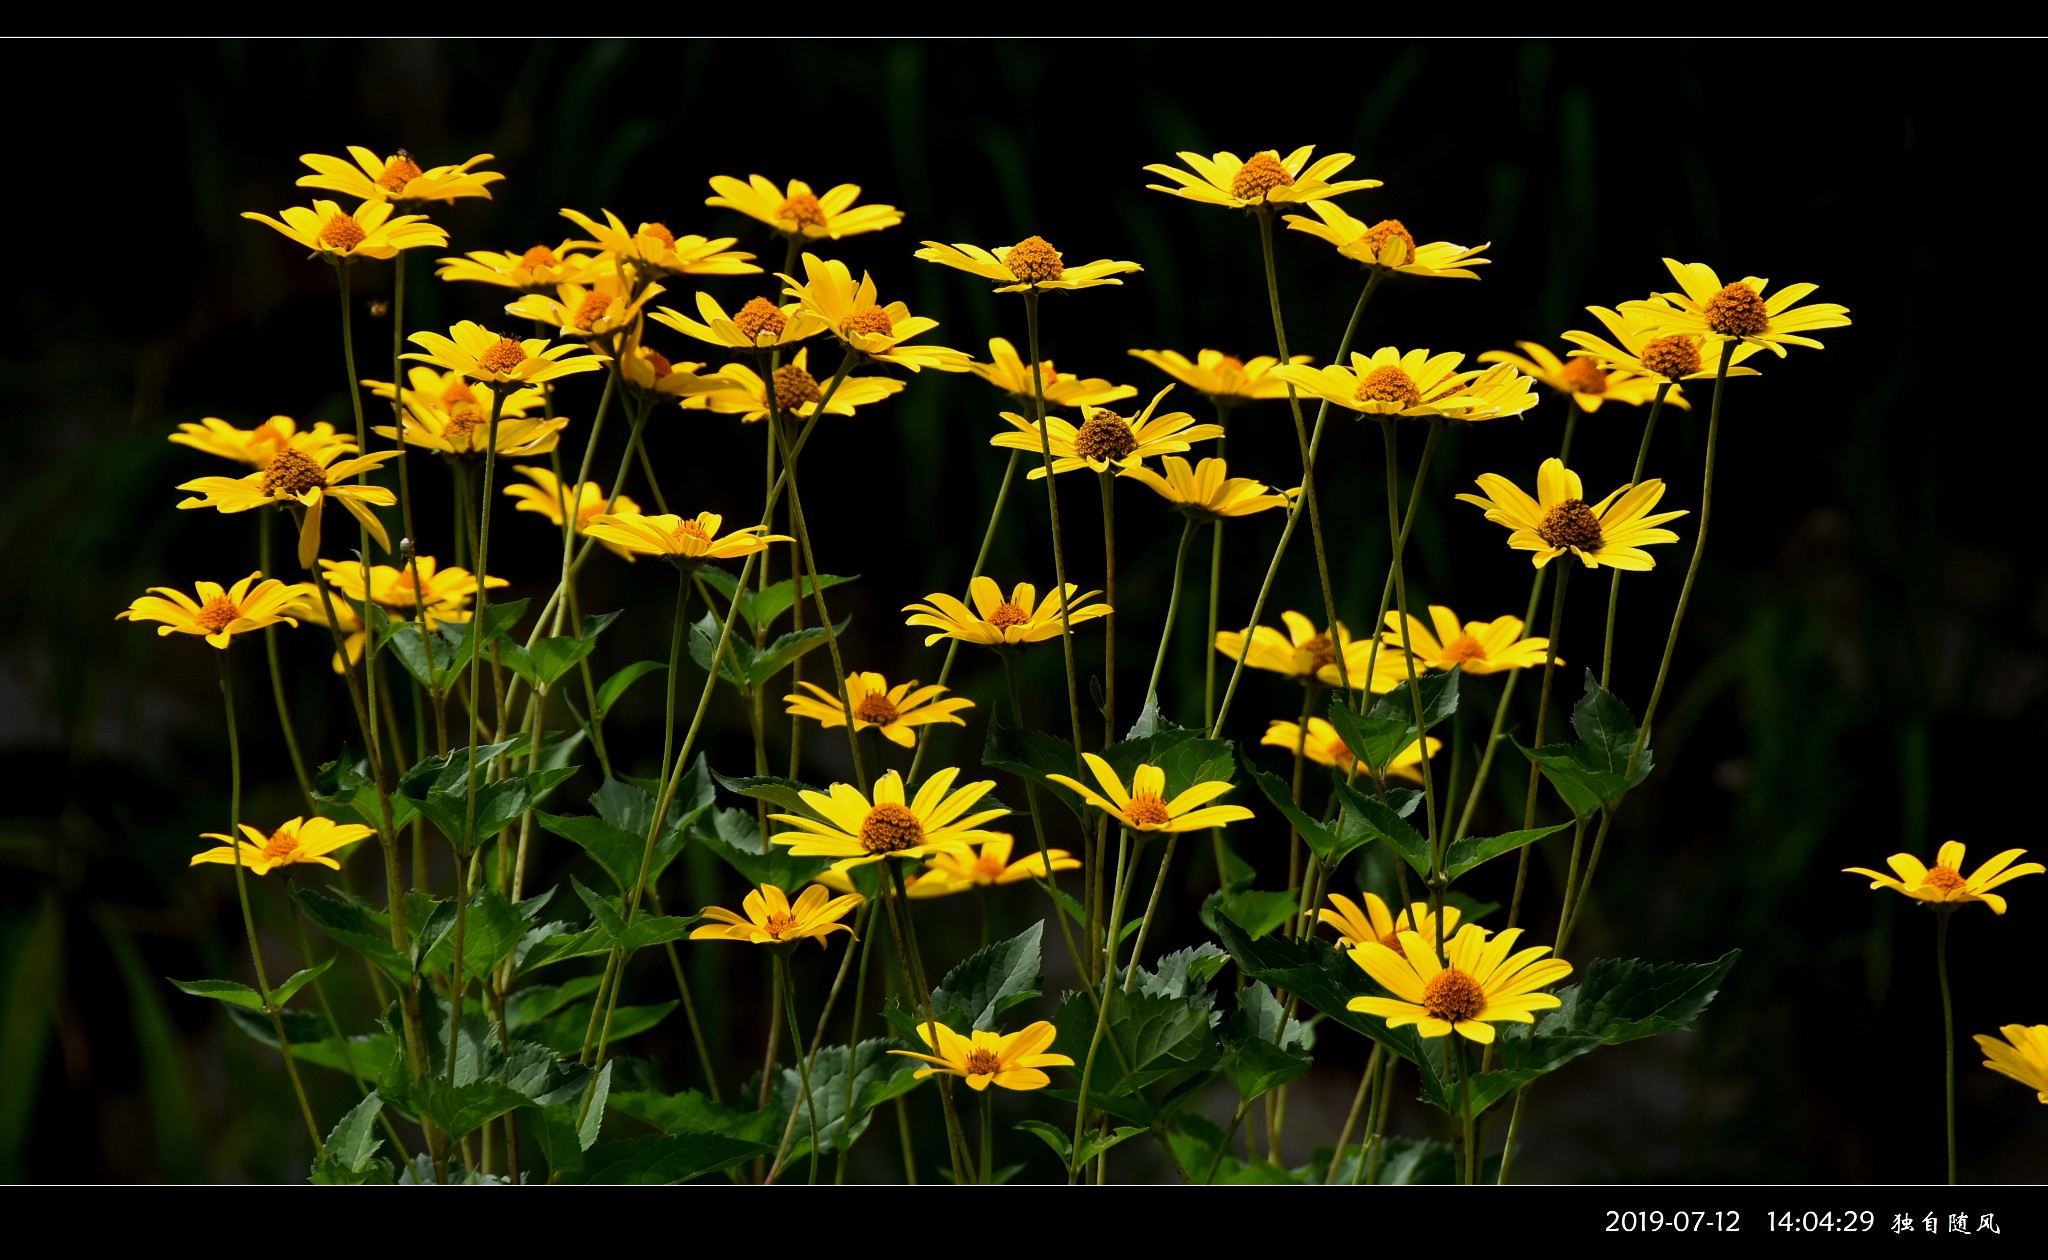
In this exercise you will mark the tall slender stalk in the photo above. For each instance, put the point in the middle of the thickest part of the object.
(1223, 411)
(1564, 574)
(270, 651)
(803, 1063)
(1180, 564)
(1948, 1033)
(1108, 486)
(1437, 837)
(1359, 1101)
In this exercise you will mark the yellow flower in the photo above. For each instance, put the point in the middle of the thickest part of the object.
(308, 478)
(1223, 378)
(1580, 378)
(876, 705)
(985, 1057)
(797, 211)
(1647, 349)
(859, 831)
(650, 372)
(1479, 647)
(1325, 747)
(538, 268)
(482, 355)
(855, 317)
(368, 232)
(449, 594)
(684, 542)
(758, 325)
(998, 622)
(738, 390)
(256, 446)
(604, 309)
(1105, 439)
(1944, 884)
(1388, 245)
(659, 249)
(1741, 311)
(301, 841)
(548, 497)
(396, 178)
(1390, 383)
(1376, 923)
(1478, 985)
(1265, 178)
(1006, 371)
(949, 873)
(770, 919)
(1206, 492)
(1143, 808)
(1558, 520)
(443, 413)
(1031, 263)
(1306, 653)
(219, 614)
(2023, 1055)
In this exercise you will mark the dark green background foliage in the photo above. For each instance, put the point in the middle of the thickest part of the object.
(1863, 670)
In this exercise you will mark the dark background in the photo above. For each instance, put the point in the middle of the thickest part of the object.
(1862, 672)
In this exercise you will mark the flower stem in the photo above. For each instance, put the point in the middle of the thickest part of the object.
(803, 1064)
(1564, 575)
(1180, 561)
(1635, 479)
(1059, 907)
(1108, 484)
(1948, 1033)
(1358, 1105)
(1052, 499)
(1124, 864)
(896, 901)
(1151, 908)
(284, 713)
(1414, 692)
(1215, 585)
(1471, 1169)
(988, 1137)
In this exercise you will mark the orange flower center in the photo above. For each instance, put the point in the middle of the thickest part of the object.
(216, 613)
(1737, 311)
(1673, 358)
(591, 309)
(502, 357)
(760, 316)
(1230, 363)
(463, 419)
(1105, 436)
(1389, 384)
(539, 256)
(1320, 652)
(982, 1062)
(1259, 176)
(1583, 376)
(1377, 236)
(1944, 878)
(342, 234)
(869, 319)
(456, 390)
(778, 925)
(1451, 996)
(690, 529)
(890, 828)
(1147, 811)
(292, 473)
(660, 232)
(794, 387)
(874, 707)
(986, 867)
(657, 362)
(280, 846)
(1033, 260)
(803, 208)
(399, 172)
(1464, 648)
(1571, 524)
(1007, 615)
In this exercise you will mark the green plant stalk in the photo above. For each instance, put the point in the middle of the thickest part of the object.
(1052, 499)
(409, 547)
(1372, 655)
(1436, 834)
(1948, 1033)
(675, 963)
(568, 507)
(1180, 564)
(1359, 1101)
(284, 713)
(896, 903)
(1369, 1168)
(1471, 1168)
(1059, 908)
(347, 1052)
(810, 565)
(865, 927)
(818, 1040)
(1635, 479)
(1151, 908)
(1108, 485)
(1125, 864)
(1564, 575)
(1223, 411)
(988, 1137)
(465, 877)
(1309, 691)
(803, 1064)
(1571, 872)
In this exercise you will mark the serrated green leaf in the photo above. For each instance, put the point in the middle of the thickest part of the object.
(491, 927)
(341, 789)
(1472, 851)
(616, 837)
(1257, 1054)
(350, 921)
(1154, 1034)
(735, 836)
(693, 1112)
(555, 657)
(990, 981)
(763, 609)
(1051, 1137)
(1388, 727)
(1258, 913)
(663, 1159)
(593, 1116)
(354, 1140)
(1184, 973)
(564, 1031)
(532, 1003)
(783, 794)
(1034, 755)
(609, 691)
(645, 930)
(1382, 821)
(228, 991)
(1326, 843)
(786, 650)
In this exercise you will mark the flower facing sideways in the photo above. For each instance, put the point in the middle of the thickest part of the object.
(255, 446)
(1740, 310)
(1264, 178)
(1307, 654)
(1006, 371)
(300, 841)
(1477, 647)
(1224, 378)
(397, 178)
(856, 316)
(758, 324)
(1479, 983)
(656, 248)
(1327, 748)
(220, 613)
(948, 873)
(737, 390)
(1388, 244)
(1582, 379)
(1944, 883)
(1030, 264)
(686, 542)
(986, 1058)
(770, 917)
(548, 497)
(995, 621)
(1375, 922)
(307, 479)
(368, 232)
(482, 355)
(1559, 521)
(2023, 1055)
(536, 269)
(893, 711)
(1206, 492)
(799, 212)
(1143, 807)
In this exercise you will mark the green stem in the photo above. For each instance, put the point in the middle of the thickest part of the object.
(1215, 585)
(1369, 1167)
(1948, 1033)
(988, 1137)
(1564, 575)
(1471, 1171)
(1151, 908)
(803, 1064)
(1059, 907)
(465, 875)
(1108, 486)
(810, 565)
(1180, 561)
(1052, 499)
(1437, 837)
(284, 713)
(1124, 862)
(896, 902)
(1358, 1104)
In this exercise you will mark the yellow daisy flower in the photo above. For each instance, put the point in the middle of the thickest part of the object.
(1479, 647)
(1031, 263)
(1142, 806)
(650, 372)
(1105, 439)
(538, 269)
(1006, 371)
(1643, 345)
(1388, 244)
(1944, 884)
(1478, 985)
(1222, 378)
(1741, 311)
(1306, 653)
(737, 390)
(1206, 492)
(449, 594)
(998, 622)
(659, 249)
(877, 706)
(797, 211)
(397, 178)
(1376, 923)
(986, 1058)
(308, 478)
(1326, 748)
(758, 325)
(689, 543)
(1390, 383)
(603, 309)
(219, 614)
(1264, 178)
(368, 232)
(771, 919)
(949, 873)
(861, 323)
(841, 882)
(258, 445)
(443, 413)
(547, 497)
(482, 355)
(2023, 1055)
(1582, 380)
(1558, 520)
(860, 831)
(302, 841)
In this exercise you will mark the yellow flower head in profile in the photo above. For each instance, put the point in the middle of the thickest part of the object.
(1310, 655)
(1944, 883)
(1223, 378)
(949, 873)
(986, 1058)
(418, 590)
(656, 248)
(397, 178)
(1479, 983)
(877, 706)
(369, 232)
(1390, 383)
(1583, 380)
(1645, 344)
(219, 614)
(1206, 492)
(1143, 807)
(1558, 520)
(306, 478)
(857, 831)
(796, 211)
(1006, 371)
(1740, 311)
(1106, 440)
(548, 497)
(654, 375)
(1477, 647)
(444, 413)
(2023, 1055)
(757, 325)
(307, 841)
(482, 355)
(684, 542)
(1327, 748)
(256, 446)
(771, 919)
(538, 269)
(998, 622)
(1388, 245)
(1264, 178)
(737, 390)
(1030, 264)
(861, 323)
(606, 308)
(1375, 921)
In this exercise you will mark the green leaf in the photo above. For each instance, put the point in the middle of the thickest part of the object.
(1593, 773)
(785, 651)
(735, 836)
(1052, 1137)
(1382, 821)
(609, 691)
(616, 838)
(1184, 973)
(555, 657)
(593, 1117)
(1258, 913)
(1388, 727)
(350, 921)
(1094, 1144)
(564, 1032)
(762, 610)
(439, 787)
(878, 1076)
(784, 794)
(990, 981)
(314, 1041)
(342, 789)
(1035, 755)
(1258, 1054)
(663, 1159)
(1470, 852)
(534, 1002)
(491, 928)
(693, 1112)
(354, 1141)
(1322, 840)
(222, 991)
(1162, 1027)
(646, 930)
